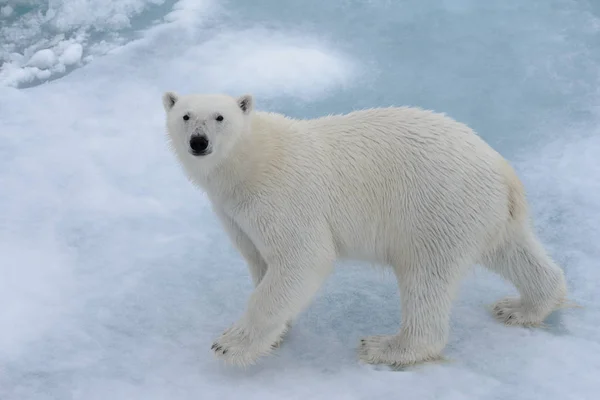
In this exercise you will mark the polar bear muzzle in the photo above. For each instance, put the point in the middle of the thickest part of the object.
(199, 145)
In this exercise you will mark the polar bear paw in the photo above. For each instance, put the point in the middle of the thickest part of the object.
(390, 350)
(512, 311)
(279, 340)
(242, 347)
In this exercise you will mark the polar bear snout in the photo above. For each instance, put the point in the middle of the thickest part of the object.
(199, 145)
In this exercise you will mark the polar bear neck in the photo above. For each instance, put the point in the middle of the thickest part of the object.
(251, 157)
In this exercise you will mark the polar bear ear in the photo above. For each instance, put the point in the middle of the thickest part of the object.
(246, 103)
(169, 99)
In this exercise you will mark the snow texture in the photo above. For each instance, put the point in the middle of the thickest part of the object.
(6, 11)
(34, 32)
(72, 54)
(115, 276)
(42, 59)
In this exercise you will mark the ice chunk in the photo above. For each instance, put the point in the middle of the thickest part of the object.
(12, 74)
(34, 22)
(6, 11)
(43, 74)
(72, 54)
(42, 59)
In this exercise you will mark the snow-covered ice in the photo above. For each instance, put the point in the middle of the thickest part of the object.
(72, 54)
(42, 59)
(34, 31)
(115, 276)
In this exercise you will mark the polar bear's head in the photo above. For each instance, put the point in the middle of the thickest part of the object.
(204, 128)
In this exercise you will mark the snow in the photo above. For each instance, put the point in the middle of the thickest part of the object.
(95, 26)
(266, 63)
(42, 59)
(6, 11)
(115, 276)
(72, 54)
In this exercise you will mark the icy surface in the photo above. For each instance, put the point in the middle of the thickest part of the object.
(72, 54)
(28, 27)
(115, 276)
(42, 59)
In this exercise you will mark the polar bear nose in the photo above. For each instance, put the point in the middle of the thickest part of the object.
(198, 145)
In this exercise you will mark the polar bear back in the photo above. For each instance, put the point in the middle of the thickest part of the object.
(390, 182)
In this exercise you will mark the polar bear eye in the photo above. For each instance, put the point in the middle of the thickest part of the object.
(186, 117)
(219, 118)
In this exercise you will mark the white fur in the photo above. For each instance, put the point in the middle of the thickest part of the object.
(403, 187)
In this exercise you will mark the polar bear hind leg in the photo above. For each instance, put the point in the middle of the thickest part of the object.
(541, 284)
(521, 259)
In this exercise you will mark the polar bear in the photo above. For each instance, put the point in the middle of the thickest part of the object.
(399, 186)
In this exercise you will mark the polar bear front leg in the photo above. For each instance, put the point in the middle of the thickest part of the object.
(256, 264)
(287, 288)
(426, 293)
